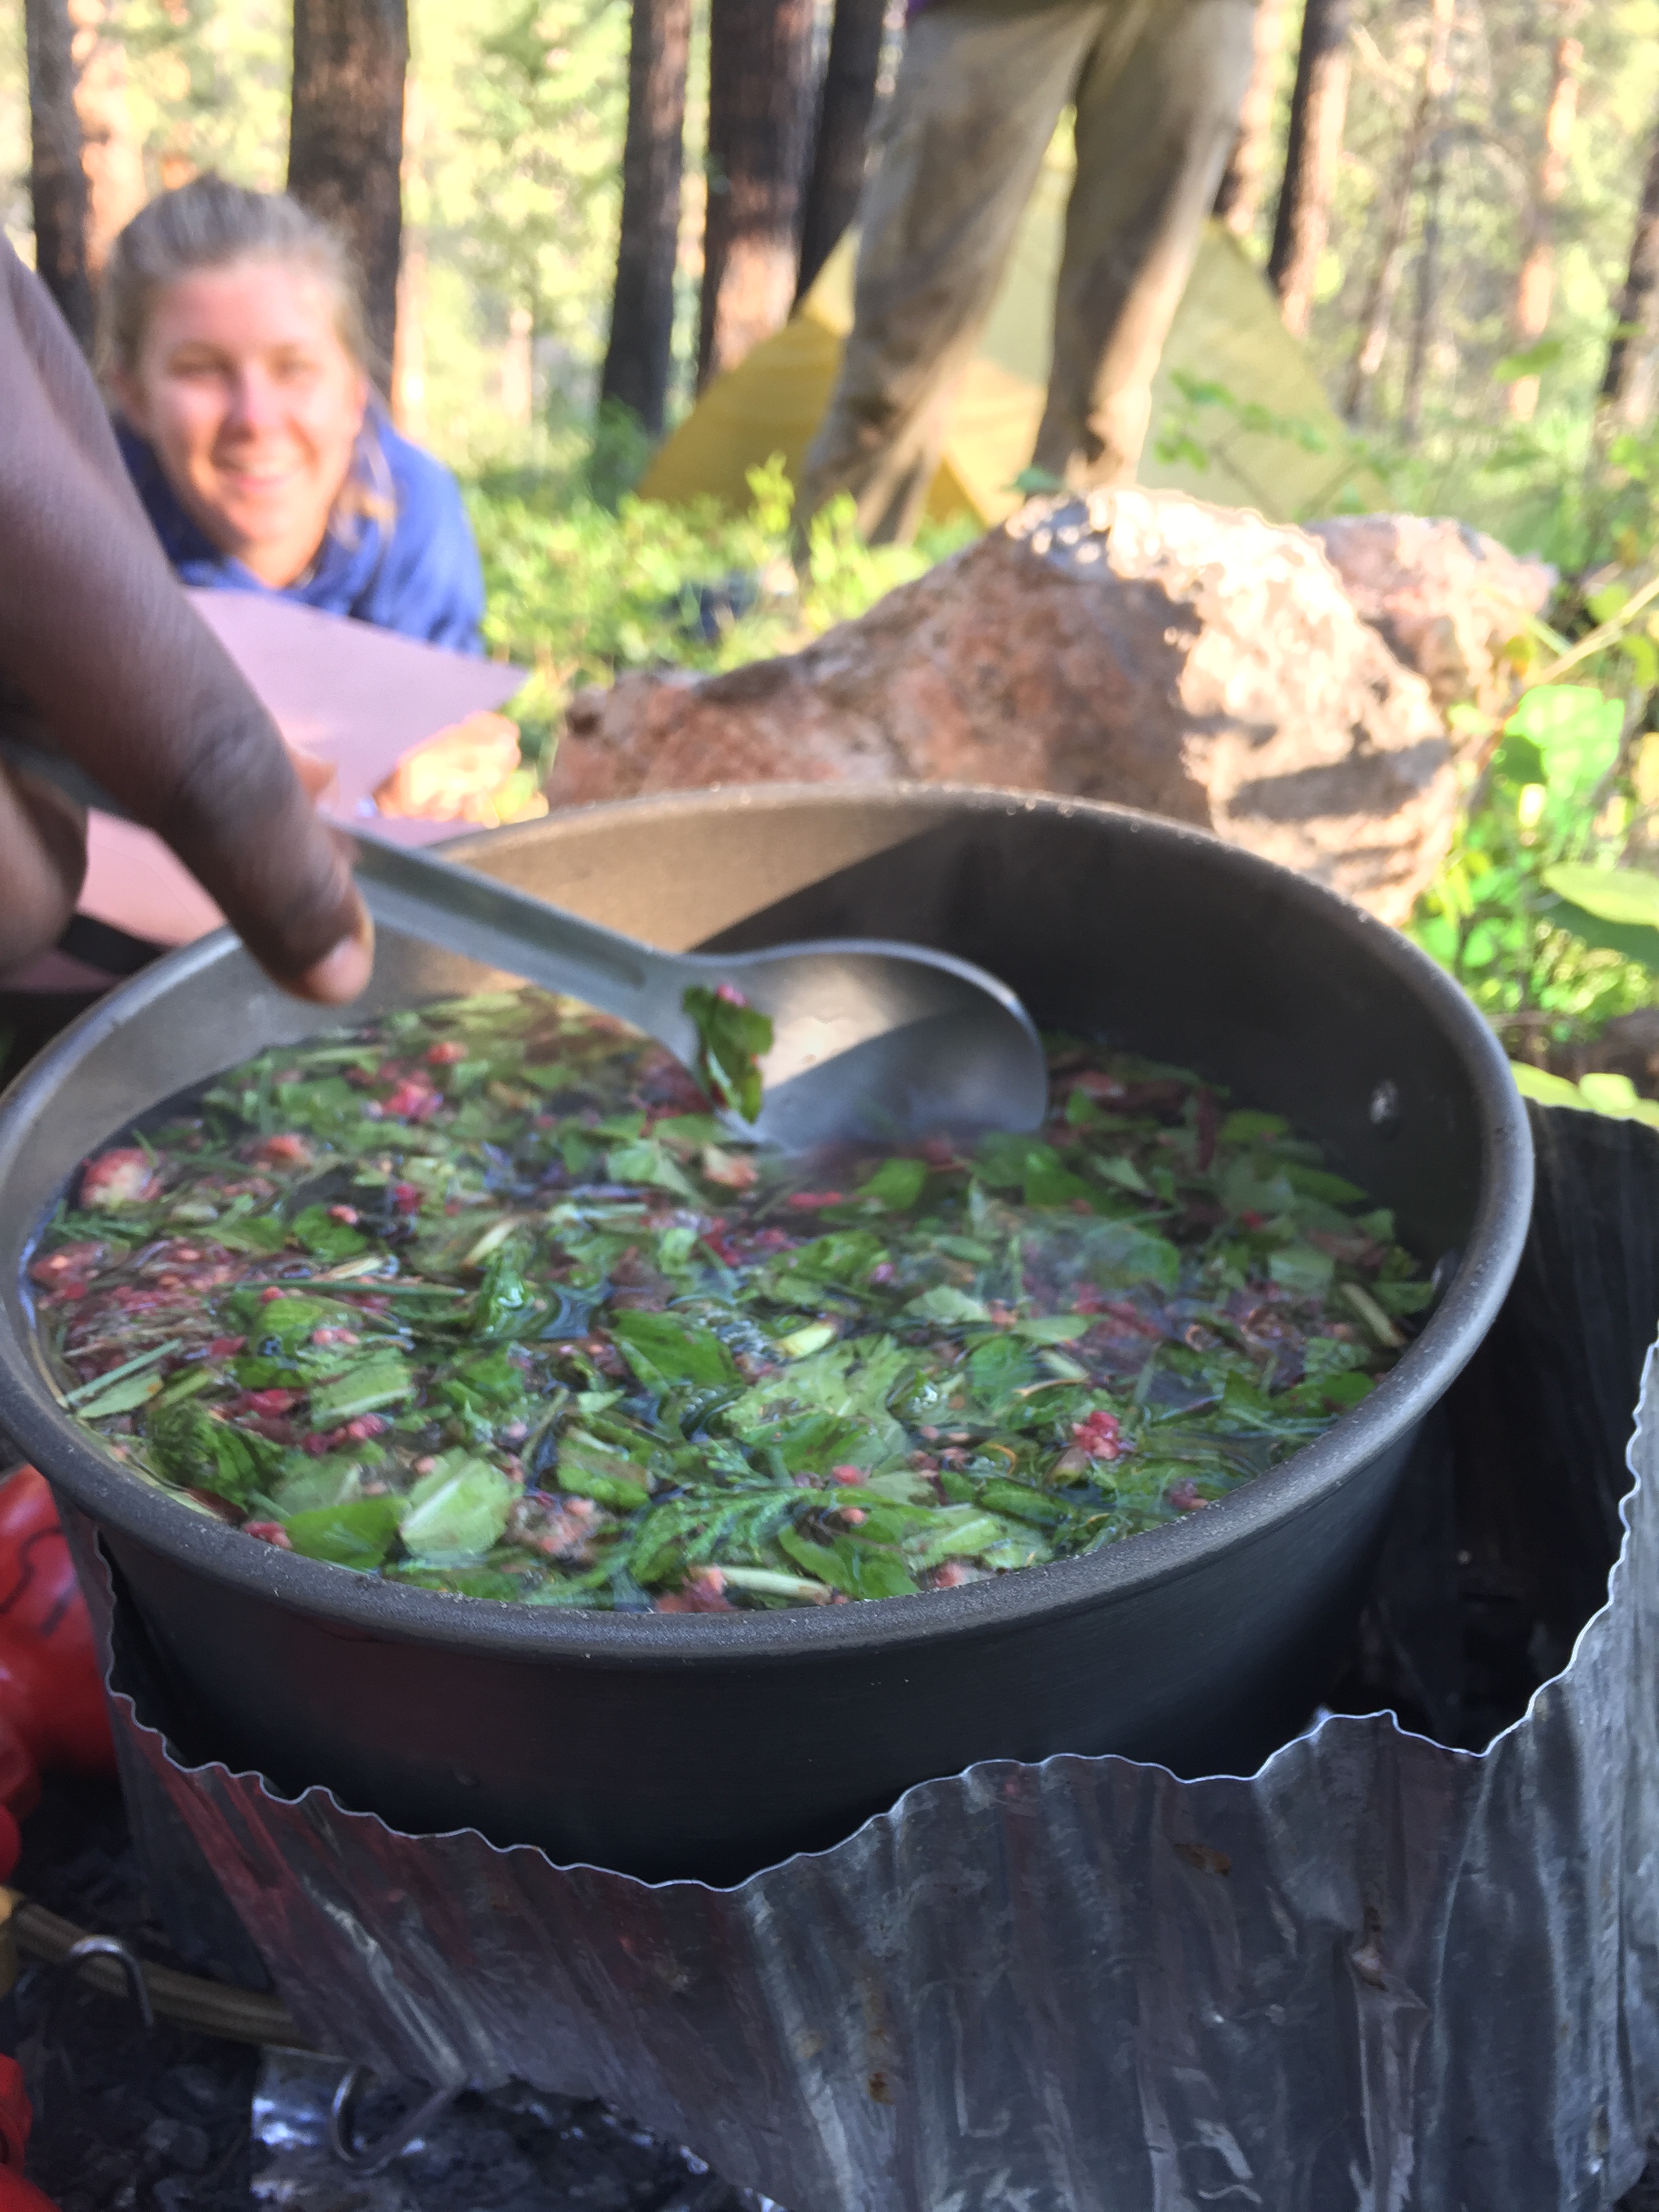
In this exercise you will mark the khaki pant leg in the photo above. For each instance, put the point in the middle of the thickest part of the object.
(981, 88)
(1153, 132)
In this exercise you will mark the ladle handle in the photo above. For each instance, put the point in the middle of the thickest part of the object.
(420, 896)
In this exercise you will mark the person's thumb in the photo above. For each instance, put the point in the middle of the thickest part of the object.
(240, 818)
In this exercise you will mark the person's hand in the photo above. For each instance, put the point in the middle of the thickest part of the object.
(457, 775)
(42, 861)
(132, 685)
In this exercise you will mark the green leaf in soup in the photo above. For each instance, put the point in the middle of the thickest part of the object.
(306, 1484)
(897, 1184)
(463, 1582)
(458, 1511)
(588, 1469)
(187, 1446)
(959, 1532)
(123, 1396)
(1255, 1183)
(358, 1533)
(255, 1372)
(947, 1306)
(249, 1232)
(315, 1230)
(1319, 1183)
(1124, 1173)
(811, 1443)
(998, 1366)
(732, 1037)
(506, 1306)
(486, 1384)
(1021, 1503)
(842, 1260)
(663, 1348)
(1407, 1298)
(280, 1326)
(860, 1570)
(852, 1380)
(1120, 1256)
(1346, 1390)
(368, 1387)
(1245, 1126)
(1302, 1269)
(1002, 1160)
(649, 1161)
(1054, 1329)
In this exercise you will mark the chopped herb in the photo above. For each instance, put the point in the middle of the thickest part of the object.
(733, 1038)
(485, 1298)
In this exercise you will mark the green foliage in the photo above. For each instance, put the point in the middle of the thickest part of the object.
(581, 590)
(1528, 913)
(545, 101)
(1205, 408)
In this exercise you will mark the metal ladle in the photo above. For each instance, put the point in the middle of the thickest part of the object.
(871, 1039)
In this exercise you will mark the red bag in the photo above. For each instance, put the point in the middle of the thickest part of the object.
(52, 1713)
(16, 2195)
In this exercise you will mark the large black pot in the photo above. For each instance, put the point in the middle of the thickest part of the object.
(707, 1745)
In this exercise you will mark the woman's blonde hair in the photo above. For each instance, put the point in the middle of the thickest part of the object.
(211, 224)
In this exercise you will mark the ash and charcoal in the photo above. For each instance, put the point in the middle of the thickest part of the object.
(179, 2122)
(1499, 1556)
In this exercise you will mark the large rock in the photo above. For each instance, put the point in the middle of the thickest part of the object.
(1446, 599)
(1139, 646)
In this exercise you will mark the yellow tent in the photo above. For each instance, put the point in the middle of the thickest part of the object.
(1227, 333)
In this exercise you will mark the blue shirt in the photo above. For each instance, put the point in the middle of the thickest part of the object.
(418, 573)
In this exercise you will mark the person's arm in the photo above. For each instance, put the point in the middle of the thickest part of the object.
(132, 685)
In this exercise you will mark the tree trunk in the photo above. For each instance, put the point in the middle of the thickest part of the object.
(1428, 294)
(346, 140)
(111, 154)
(1396, 212)
(1628, 386)
(1319, 108)
(408, 390)
(641, 351)
(760, 60)
(843, 132)
(1239, 196)
(1535, 289)
(58, 182)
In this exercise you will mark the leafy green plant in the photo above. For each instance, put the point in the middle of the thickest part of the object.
(1511, 914)
(582, 588)
(1205, 407)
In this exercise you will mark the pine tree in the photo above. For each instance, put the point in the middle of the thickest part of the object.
(1396, 209)
(640, 353)
(345, 138)
(843, 131)
(1238, 197)
(1319, 107)
(760, 61)
(58, 182)
(1535, 289)
(1627, 386)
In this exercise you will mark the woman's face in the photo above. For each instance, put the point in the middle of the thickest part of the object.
(252, 405)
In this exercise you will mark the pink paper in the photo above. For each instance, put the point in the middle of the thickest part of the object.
(359, 697)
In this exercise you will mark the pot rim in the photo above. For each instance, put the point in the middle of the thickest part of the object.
(363, 1606)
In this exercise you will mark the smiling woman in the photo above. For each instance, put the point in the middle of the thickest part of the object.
(233, 349)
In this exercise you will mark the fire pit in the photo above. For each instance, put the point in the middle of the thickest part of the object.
(708, 1746)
